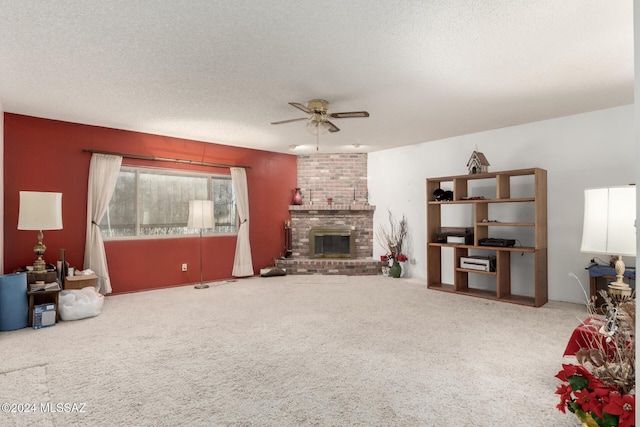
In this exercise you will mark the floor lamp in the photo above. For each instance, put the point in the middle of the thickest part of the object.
(40, 211)
(200, 217)
(610, 228)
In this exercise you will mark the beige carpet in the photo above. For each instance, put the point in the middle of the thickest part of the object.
(293, 351)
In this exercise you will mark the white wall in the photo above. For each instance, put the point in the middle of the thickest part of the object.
(587, 150)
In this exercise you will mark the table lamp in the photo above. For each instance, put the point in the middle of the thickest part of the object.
(40, 211)
(200, 217)
(609, 228)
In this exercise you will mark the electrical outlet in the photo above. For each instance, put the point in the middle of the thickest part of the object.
(184, 267)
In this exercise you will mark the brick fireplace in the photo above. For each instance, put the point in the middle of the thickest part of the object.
(343, 179)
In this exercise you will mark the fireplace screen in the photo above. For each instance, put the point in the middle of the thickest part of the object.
(332, 242)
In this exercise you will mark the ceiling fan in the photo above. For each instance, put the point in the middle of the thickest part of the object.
(318, 120)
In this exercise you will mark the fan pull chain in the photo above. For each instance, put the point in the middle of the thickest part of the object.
(318, 139)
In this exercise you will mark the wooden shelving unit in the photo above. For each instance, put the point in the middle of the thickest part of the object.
(502, 183)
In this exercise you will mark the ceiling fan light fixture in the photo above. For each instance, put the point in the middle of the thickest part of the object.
(318, 121)
(316, 125)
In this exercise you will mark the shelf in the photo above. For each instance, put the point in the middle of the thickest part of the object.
(488, 175)
(488, 248)
(463, 202)
(505, 224)
(514, 200)
(520, 299)
(485, 294)
(442, 287)
(480, 293)
(468, 270)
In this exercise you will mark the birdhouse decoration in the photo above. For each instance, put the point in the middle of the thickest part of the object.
(477, 163)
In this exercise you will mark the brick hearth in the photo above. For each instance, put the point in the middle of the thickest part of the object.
(347, 267)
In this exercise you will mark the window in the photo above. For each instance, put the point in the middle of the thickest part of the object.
(150, 202)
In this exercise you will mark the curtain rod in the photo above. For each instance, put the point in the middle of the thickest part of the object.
(165, 159)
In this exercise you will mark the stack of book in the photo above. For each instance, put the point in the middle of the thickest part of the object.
(53, 286)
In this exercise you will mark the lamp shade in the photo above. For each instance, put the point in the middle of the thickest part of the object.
(40, 211)
(200, 214)
(609, 221)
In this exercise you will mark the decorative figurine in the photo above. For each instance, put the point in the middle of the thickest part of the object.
(443, 195)
(477, 163)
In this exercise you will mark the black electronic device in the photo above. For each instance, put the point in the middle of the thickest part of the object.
(455, 235)
(501, 243)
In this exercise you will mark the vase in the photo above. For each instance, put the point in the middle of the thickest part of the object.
(297, 197)
(587, 420)
(396, 270)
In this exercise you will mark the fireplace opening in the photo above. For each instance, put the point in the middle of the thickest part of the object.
(332, 242)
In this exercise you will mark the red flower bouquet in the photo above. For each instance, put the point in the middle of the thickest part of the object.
(401, 258)
(600, 391)
(594, 402)
(393, 257)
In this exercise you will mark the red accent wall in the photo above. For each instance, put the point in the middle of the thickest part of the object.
(46, 155)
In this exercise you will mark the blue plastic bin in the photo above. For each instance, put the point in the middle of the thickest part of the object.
(14, 307)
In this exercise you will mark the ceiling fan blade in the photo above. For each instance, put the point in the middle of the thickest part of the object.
(301, 107)
(289, 121)
(349, 115)
(332, 128)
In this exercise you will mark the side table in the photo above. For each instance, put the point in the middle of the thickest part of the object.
(45, 276)
(586, 335)
(606, 273)
(41, 297)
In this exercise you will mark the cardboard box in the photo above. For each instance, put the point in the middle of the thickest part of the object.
(44, 315)
(80, 281)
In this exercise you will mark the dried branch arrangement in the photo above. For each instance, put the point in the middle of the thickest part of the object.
(613, 360)
(392, 236)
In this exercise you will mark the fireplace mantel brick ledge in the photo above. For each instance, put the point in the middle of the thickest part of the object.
(333, 207)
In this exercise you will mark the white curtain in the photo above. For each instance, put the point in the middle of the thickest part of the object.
(103, 175)
(242, 264)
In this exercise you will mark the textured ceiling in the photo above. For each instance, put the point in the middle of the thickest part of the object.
(223, 71)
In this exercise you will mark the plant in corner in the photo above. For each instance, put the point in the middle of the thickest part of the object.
(600, 390)
(392, 238)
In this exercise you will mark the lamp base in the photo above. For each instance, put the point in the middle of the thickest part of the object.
(619, 289)
(39, 249)
(201, 286)
(39, 265)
